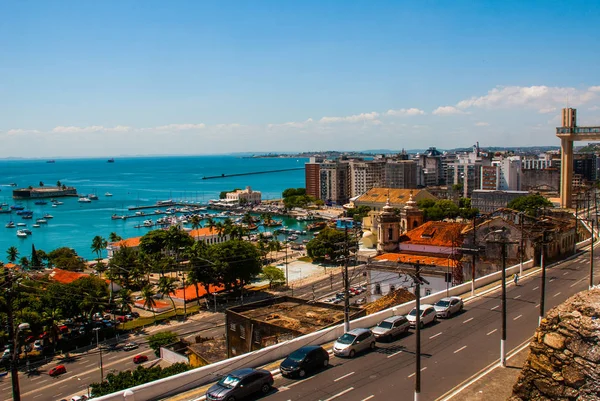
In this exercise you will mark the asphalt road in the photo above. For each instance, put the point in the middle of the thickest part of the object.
(453, 349)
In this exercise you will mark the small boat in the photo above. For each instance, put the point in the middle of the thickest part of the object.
(26, 231)
(111, 160)
(57, 203)
(21, 234)
(117, 217)
(41, 202)
(36, 226)
(148, 223)
(93, 197)
(316, 226)
(3, 204)
(10, 224)
(292, 237)
(17, 207)
(50, 161)
(27, 217)
(21, 224)
(41, 221)
(5, 211)
(107, 194)
(83, 199)
(54, 205)
(48, 216)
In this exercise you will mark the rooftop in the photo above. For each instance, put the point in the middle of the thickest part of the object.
(396, 195)
(434, 233)
(431, 260)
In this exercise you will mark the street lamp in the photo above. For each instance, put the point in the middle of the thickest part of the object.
(97, 329)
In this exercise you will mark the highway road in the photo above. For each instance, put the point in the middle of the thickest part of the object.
(453, 349)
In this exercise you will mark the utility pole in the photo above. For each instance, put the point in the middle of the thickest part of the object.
(522, 249)
(313, 292)
(592, 254)
(346, 283)
(13, 338)
(474, 257)
(543, 278)
(418, 331)
(331, 280)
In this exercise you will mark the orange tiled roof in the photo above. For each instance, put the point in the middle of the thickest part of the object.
(412, 258)
(128, 242)
(10, 265)
(435, 233)
(65, 276)
(203, 232)
(190, 291)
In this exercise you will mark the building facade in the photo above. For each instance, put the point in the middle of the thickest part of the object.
(247, 196)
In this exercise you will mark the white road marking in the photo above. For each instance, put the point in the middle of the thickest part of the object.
(340, 394)
(91, 364)
(535, 288)
(301, 381)
(435, 335)
(565, 273)
(368, 398)
(468, 320)
(395, 353)
(343, 377)
(518, 317)
(577, 282)
(517, 297)
(557, 294)
(412, 374)
(492, 332)
(460, 349)
(551, 280)
(495, 307)
(537, 306)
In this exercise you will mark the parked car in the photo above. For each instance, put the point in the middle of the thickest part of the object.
(122, 319)
(6, 354)
(391, 327)
(130, 346)
(140, 358)
(79, 398)
(427, 315)
(57, 370)
(240, 383)
(135, 314)
(354, 341)
(447, 307)
(304, 360)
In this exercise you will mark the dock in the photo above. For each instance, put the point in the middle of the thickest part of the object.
(211, 177)
(170, 204)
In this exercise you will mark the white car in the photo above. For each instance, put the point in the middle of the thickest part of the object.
(130, 346)
(447, 307)
(427, 315)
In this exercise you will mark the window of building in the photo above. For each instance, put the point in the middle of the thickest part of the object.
(242, 332)
(427, 291)
(392, 288)
(378, 289)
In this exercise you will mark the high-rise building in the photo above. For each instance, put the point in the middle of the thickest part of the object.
(334, 182)
(429, 168)
(400, 174)
(312, 173)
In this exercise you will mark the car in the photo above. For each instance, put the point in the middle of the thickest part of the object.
(140, 358)
(37, 345)
(354, 341)
(448, 306)
(79, 398)
(304, 360)
(391, 327)
(122, 319)
(360, 301)
(130, 346)
(241, 383)
(427, 315)
(6, 354)
(57, 370)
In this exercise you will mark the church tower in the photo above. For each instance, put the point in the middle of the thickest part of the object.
(388, 229)
(411, 216)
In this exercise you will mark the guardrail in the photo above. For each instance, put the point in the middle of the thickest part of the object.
(194, 378)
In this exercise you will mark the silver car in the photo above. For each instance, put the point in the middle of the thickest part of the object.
(447, 307)
(391, 327)
(354, 341)
(427, 315)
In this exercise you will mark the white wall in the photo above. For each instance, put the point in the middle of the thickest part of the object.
(173, 357)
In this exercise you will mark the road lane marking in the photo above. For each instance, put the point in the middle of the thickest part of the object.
(517, 297)
(368, 398)
(343, 377)
(565, 273)
(339, 394)
(468, 320)
(537, 306)
(492, 332)
(535, 288)
(577, 282)
(557, 294)
(301, 381)
(435, 335)
(495, 307)
(518, 317)
(460, 349)
(395, 353)
(412, 374)
(91, 364)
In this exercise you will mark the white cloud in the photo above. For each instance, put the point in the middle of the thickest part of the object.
(447, 111)
(405, 112)
(594, 108)
(292, 124)
(351, 119)
(93, 128)
(545, 99)
(19, 131)
(179, 127)
(482, 124)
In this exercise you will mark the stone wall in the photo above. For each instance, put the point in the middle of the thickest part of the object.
(564, 356)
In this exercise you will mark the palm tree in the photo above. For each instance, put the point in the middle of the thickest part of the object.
(148, 294)
(13, 254)
(126, 301)
(166, 285)
(24, 262)
(114, 237)
(98, 245)
(196, 223)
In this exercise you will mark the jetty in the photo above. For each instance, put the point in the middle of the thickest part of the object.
(211, 177)
(170, 204)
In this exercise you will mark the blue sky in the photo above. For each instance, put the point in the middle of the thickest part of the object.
(155, 77)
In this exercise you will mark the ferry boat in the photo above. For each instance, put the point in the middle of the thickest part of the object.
(10, 224)
(107, 194)
(84, 199)
(21, 234)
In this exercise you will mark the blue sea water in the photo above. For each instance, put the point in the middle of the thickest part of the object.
(134, 181)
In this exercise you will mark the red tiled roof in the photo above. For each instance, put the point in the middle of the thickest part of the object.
(10, 266)
(413, 258)
(203, 232)
(190, 291)
(65, 276)
(128, 242)
(435, 233)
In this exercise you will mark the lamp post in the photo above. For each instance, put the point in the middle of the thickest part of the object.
(97, 329)
(13, 336)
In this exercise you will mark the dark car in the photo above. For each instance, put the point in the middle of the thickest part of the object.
(140, 358)
(57, 370)
(240, 383)
(304, 360)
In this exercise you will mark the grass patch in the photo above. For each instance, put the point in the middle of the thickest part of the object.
(149, 320)
(305, 259)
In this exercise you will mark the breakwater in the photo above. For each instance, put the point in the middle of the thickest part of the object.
(211, 177)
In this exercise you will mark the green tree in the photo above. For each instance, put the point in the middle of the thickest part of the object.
(58, 184)
(24, 262)
(98, 245)
(148, 294)
(166, 286)
(114, 237)
(326, 245)
(293, 192)
(92, 294)
(202, 270)
(12, 254)
(273, 275)
(196, 223)
(67, 259)
(161, 339)
(35, 260)
(530, 204)
(237, 262)
(126, 301)
(124, 266)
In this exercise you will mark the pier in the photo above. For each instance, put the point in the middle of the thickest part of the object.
(211, 177)
(170, 204)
